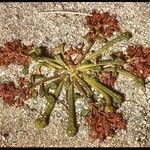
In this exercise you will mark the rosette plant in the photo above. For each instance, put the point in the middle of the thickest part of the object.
(80, 71)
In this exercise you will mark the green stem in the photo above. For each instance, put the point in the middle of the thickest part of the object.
(45, 80)
(123, 36)
(72, 128)
(52, 63)
(106, 96)
(51, 99)
(117, 61)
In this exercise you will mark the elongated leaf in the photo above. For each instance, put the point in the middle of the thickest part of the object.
(90, 67)
(52, 86)
(85, 85)
(41, 90)
(72, 128)
(51, 63)
(80, 88)
(59, 88)
(51, 103)
(25, 70)
(117, 61)
(60, 61)
(99, 87)
(123, 36)
(36, 50)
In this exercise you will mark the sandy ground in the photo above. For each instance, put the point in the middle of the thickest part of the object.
(26, 21)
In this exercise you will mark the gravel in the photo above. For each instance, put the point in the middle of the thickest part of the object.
(34, 23)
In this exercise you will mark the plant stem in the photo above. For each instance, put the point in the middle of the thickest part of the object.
(52, 63)
(45, 80)
(63, 12)
(85, 85)
(117, 61)
(123, 36)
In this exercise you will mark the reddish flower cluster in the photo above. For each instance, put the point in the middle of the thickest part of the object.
(104, 23)
(15, 96)
(107, 78)
(78, 51)
(8, 92)
(24, 92)
(104, 124)
(139, 60)
(13, 52)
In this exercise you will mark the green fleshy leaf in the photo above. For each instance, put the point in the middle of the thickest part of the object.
(72, 128)
(25, 70)
(41, 122)
(51, 103)
(41, 90)
(123, 36)
(85, 85)
(52, 86)
(102, 89)
(51, 62)
(104, 63)
(59, 88)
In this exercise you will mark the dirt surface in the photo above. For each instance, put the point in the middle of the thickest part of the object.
(34, 23)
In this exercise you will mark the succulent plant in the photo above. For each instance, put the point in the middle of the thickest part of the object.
(81, 69)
